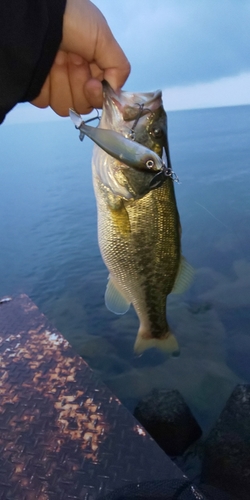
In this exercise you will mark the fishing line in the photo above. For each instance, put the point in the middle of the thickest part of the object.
(218, 220)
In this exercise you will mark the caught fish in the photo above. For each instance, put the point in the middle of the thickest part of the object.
(138, 222)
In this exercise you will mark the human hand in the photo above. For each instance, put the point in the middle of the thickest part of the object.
(88, 54)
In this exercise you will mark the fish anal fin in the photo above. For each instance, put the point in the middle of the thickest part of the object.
(115, 299)
(184, 277)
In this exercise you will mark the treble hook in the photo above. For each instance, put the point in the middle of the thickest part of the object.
(170, 173)
(131, 134)
(94, 118)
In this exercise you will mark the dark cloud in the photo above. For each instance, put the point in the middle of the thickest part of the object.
(173, 43)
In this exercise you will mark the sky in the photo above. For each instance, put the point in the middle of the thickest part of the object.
(196, 51)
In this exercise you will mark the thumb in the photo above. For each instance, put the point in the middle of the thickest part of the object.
(86, 33)
(110, 58)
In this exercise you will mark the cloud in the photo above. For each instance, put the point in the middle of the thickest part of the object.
(231, 91)
(178, 43)
(197, 51)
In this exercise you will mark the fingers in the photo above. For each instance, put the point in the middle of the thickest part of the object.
(93, 87)
(89, 53)
(42, 101)
(71, 85)
(86, 33)
(111, 59)
(79, 73)
(94, 92)
(60, 91)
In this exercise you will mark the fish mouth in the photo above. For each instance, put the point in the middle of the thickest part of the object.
(121, 106)
(127, 104)
(108, 91)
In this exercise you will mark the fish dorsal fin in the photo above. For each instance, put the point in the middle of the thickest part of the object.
(115, 300)
(184, 277)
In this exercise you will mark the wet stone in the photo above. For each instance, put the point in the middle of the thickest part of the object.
(169, 421)
(226, 462)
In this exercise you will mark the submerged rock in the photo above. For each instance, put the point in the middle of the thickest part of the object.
(167, 418)
(226, 462)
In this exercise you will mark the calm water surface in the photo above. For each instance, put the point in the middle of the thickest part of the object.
(49, 250)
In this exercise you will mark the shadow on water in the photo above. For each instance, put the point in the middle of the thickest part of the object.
(49, 250)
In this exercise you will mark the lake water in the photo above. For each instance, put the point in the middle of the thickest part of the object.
(49, 250)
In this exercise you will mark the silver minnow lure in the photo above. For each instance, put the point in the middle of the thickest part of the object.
(125, 150)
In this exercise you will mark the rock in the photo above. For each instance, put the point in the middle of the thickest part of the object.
(169, 421)
(212, 493)
(226, 462)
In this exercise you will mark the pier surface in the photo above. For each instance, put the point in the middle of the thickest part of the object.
(63, 434)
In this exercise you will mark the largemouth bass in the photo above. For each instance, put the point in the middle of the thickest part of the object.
(138, 222)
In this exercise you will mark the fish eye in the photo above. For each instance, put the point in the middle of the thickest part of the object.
(150, 163)
(157, 132)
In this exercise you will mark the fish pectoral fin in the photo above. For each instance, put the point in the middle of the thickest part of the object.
(115, 299)
(184, 277)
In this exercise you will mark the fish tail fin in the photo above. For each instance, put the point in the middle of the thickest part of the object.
(166, 343)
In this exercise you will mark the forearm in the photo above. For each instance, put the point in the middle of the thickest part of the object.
(30, 35)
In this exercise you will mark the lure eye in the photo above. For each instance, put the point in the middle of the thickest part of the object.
(150, 163)
(157, 133)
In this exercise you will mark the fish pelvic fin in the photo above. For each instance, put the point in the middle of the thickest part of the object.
(115, 299)
(184, 277)
(167, 343)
